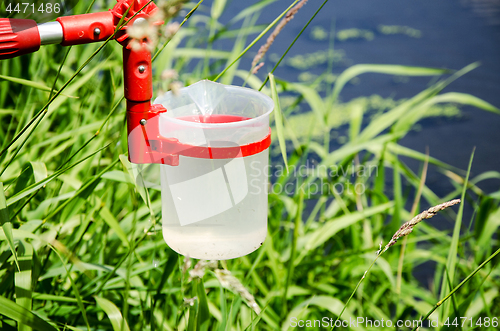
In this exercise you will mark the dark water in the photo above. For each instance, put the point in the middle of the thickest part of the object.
(452, 34)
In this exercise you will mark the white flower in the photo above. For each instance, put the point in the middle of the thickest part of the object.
(169, 74)
(175, 87)
(171, 29)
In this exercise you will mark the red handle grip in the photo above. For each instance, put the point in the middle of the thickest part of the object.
(18, 37)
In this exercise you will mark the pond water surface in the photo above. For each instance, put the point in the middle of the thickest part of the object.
(440, 34)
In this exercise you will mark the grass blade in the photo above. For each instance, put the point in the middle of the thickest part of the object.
(29, 83)
(217, 9)
(32, 188)
(22, 315)
(293, 43)
(291, 260)
(456, 288)
(203, 313)
(257, 39)
(321, 235)
(359, 69)
(113, 313)
(278, 120)
(55, 246)
(7, 225)
(111, 221)
(22, 280)
(406, 122)
(466, 99)
(4, 211)
(85, 189)
(451, 262)
(251, 10)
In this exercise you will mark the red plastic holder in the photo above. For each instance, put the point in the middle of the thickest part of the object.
(18, 37)
(146, 145)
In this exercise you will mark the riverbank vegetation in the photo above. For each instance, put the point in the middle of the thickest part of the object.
(81, 245)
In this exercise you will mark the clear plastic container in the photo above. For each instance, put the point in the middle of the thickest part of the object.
(215, 208)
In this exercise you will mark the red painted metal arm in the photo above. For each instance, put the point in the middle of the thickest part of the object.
(86, 28)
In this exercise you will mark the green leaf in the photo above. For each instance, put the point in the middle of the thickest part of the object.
(479, 303)
(20, 234)
(77, 85)
(4, 211)
(466, 99)
(118, 176)
(223, 309)
(39, 170)
(319, 236)
(354, 147)
(451, 262)
(22, 280)
(203, 313)
(71, 206)
(7, 225)
(136, 176)
(313, 98)
(7, 229)
(239, 45)
(113, 224)
(76, 291)
(251, 9)
(257, 38)
(34, 187)
(384, 121)
(30, 83)
(256, 320)
(333, 305)
(356, 120)
(409, 119)
(490, 225)
(278, 120)
(192, 326)
(51, 297)
(22, 315)
(359, 69)
(199, 53)
(114, 315)
(395, 222)
(405, 151)
(217, 9)
(386, 269)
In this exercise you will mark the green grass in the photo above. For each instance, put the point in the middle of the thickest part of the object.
(79, 246)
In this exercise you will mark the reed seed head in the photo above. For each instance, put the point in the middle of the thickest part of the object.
(407, 227)
(257, 67)
(284, 21)
(232, 283)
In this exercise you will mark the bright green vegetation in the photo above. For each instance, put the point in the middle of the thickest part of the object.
(79, 248)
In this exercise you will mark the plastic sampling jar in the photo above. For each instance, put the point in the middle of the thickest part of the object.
(214, 202)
